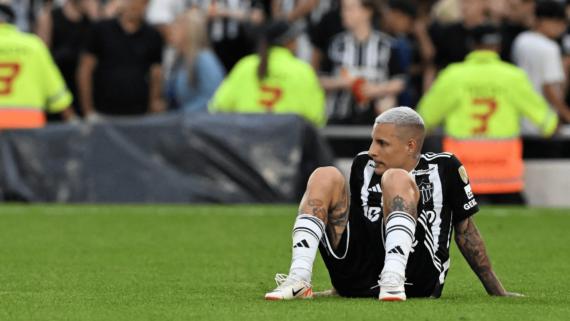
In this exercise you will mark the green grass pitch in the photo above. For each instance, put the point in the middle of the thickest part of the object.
(88, 262)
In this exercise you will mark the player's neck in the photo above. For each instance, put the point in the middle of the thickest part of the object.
(412, 163)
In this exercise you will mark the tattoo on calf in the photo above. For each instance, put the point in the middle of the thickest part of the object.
(320, 212)
(338, 216)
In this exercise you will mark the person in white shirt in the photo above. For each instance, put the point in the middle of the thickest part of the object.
(539, 55)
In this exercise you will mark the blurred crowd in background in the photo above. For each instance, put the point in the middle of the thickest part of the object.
(346, 61)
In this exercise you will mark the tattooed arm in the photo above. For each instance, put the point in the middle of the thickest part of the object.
(471, 245)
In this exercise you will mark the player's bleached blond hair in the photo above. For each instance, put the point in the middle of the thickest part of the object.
(401, 116)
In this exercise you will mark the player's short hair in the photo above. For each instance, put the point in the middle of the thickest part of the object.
(401, 116)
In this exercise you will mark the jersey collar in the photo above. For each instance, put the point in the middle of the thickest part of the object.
(7, 28)
(482, 55)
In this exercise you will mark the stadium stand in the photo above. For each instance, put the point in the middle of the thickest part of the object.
(435, 37)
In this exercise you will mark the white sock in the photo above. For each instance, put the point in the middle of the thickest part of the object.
(400, 230)
(307, 234)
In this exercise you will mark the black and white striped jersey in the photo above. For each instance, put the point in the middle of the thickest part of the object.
(445, 199)
(375, 60)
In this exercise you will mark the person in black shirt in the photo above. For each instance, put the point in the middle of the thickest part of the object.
(360, 70)
(450, 40)
(63, 30)
(520, 17)
(120, 71)
(394, 226)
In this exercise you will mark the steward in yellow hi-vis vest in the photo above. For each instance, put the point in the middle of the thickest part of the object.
(30, 82)
(273, 81)
(480, 101)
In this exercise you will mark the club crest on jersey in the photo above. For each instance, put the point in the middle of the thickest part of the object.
(463, 174)
(426, 189)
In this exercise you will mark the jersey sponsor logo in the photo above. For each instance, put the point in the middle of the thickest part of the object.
(426, 189)
(423, 171)
(463, 174)
(372, 165)
(470, 205)
(468, 191)
(373, 213)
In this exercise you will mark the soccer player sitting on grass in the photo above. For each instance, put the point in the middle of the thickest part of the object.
(390, 237)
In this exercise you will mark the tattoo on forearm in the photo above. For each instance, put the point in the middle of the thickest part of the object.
(471, 245)
(398, 203)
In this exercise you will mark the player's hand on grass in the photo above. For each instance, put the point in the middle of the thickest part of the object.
(328, 292)
(512, 294)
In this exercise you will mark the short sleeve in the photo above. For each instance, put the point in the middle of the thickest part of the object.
(58, 97)
(92, 43)
(463, 203)
(553, 72)
(163, 12)
(156, 50)
(394, 66)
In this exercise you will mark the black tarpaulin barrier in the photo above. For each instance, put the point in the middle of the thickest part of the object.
(174, 158)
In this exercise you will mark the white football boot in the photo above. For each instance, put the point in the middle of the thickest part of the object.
(392, 287)
(289, 288)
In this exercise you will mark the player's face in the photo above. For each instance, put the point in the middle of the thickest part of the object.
(387, 150)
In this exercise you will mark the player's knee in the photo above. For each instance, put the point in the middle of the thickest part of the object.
(397, 179)
(326, 176)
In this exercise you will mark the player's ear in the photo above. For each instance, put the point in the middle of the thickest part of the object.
(411, 146)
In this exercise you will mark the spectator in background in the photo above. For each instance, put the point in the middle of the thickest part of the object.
(297, 13)
(450, 39)
(29, 79)
(198, 72)
(273, 81)
(120, 71)
(230, 36)
(480, 101)
(537, 52)
(398, 23)
(361, 72)
(322, 33)
(519, 18)
(63, 30)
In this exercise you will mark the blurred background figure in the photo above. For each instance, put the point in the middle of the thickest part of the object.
(297, 12)
(398, 19)
(273, 81)
(323, 30)
(29, 79)
(450, 39)
(480, 101)
(519, 18)
(360, 71)
(229, 31)
(63, 29)
(120, 71)
(537, 52)
(197, 72)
